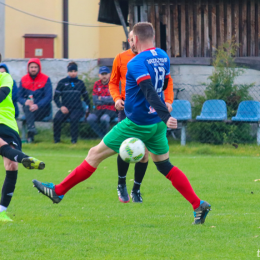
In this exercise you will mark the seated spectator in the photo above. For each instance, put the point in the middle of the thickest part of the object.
(4, 68)
(105, 106)
(68, 98)
(35, 95)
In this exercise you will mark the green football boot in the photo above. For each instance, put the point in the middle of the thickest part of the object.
(4, 217)
(33, 163)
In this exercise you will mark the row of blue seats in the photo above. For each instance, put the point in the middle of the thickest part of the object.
(212, 110)
(216, 110)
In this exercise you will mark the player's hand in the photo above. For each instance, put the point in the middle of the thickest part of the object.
(64, 110)
(119, 105)
(28, 102)
(169, 106)
(33, 107)
(172, 123)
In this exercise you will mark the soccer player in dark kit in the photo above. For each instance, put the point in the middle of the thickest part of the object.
(10, 144)
(147, 118)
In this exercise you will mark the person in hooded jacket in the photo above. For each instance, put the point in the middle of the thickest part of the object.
(35, 95)
(4, 68)
(68, 99)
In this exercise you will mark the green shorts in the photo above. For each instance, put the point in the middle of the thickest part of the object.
(153, 136)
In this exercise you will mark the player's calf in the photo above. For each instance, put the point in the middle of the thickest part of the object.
(19, 157)
(182, 184)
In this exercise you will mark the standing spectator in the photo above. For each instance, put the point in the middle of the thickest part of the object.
(4, 68)
(105, 106)
(35, 94)
(69, 90)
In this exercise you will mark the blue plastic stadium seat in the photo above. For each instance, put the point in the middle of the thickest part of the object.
(248, 111)
(213, 110)
(181, 110)
(115, 120)
(22, 118)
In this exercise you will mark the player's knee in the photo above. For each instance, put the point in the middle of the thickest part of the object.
(92, 151)
(146, 157)
(2, 142)
(164, 167)
(93, 154)
(10, 165)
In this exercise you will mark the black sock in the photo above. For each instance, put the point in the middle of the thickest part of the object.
(122, 167)
(140, 169)
(12, 153)
(8, 188)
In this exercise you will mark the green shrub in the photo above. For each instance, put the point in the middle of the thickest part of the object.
(89, 83)
(222, 86)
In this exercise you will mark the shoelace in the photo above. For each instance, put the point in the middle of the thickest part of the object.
(48, 185)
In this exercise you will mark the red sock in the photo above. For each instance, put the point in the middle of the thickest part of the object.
(81, 173)
(182, 184)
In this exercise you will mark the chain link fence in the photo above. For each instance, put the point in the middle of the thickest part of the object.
(93, 120)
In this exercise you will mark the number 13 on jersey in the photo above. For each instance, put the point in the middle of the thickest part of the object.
(159, 79)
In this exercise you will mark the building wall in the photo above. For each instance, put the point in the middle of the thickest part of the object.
(111, 40)
(2, 29)
(92, 42)
(84, 42)
(17, 24)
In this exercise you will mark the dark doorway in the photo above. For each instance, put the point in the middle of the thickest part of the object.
(163, 36)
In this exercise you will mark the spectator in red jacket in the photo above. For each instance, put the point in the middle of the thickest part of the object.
(105, 107)
(35, 94)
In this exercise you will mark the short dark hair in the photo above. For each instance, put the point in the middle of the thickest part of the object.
(144, 31)
(72, 66)
(72, 63)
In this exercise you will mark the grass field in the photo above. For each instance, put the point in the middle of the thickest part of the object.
(91, 223)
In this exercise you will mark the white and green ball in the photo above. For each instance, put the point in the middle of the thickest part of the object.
(132, 150)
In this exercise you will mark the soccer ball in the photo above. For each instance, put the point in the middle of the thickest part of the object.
(132, 150)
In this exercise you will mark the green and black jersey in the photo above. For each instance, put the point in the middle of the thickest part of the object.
(7, 110)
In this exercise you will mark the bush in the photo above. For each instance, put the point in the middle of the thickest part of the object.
(89, 83)
(222, 86)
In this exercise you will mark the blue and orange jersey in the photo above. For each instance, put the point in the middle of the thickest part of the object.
(151, 64)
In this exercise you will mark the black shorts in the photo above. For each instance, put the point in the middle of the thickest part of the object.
(10, 136)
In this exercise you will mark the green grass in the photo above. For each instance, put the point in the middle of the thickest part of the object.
(90, 223)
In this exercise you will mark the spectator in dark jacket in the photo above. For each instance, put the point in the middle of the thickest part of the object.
(105, 106)
(68, 98)
(4, 68)
(35, 94)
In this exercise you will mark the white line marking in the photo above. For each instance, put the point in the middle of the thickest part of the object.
(172, 156)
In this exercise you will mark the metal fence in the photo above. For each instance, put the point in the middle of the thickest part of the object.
(238, 124)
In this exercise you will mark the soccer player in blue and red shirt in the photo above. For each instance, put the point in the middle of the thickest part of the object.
(147, 119)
